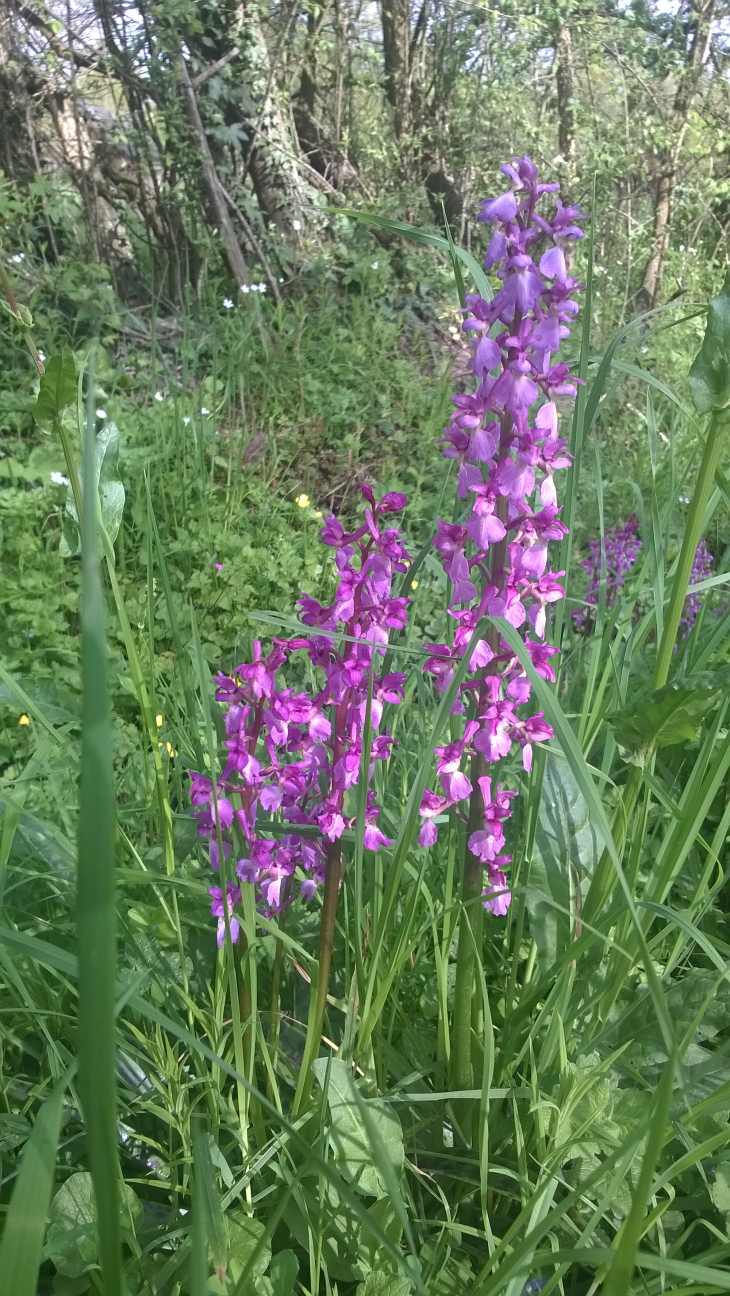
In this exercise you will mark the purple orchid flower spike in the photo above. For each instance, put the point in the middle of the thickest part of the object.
(297, 755)
(505, 436)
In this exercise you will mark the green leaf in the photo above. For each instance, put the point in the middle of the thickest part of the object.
(709, 376)
(568, 847)
(25, 1222)
(57, 390)
(14, 1131)
(96, 901)
(720, 1187)
(73, 1240)
(668, 716)
(348, 1135)
(111, 493)
(684, 999)
(283, 1272)
(427, 239)
(380, 1283)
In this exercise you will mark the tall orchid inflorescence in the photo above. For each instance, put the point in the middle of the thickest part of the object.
(298, 753)
(505, 436)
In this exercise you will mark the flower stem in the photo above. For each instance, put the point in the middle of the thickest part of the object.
(470, 926)
(692, 537)
(334, 869)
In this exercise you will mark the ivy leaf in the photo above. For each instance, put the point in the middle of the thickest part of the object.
(57, 391)
(709, 376)
(668, 716)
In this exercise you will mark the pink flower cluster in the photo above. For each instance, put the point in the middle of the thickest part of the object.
(298, 754)
(505, 437)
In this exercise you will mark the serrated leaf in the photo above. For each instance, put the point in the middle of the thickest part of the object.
(348, 1135)
(668, 716)
(57, 391)
(709, 376)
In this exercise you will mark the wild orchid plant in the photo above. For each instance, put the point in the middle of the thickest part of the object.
(297, 754)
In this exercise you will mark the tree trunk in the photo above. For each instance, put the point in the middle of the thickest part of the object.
(396, 23)
(273, 156)
(213, 187)
(685, 96)
(565, 88)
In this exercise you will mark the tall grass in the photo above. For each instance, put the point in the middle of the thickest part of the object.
(587, 1148)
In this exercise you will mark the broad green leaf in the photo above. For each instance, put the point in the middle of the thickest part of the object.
(568, 846)
(720, 1187)
(25, 1221)
(111, 493)
(283, 1272)
(57, 390)
(381, 1283)
(668, 716)
(709, 376)
(684, 998)
(348, 1135)
(73, 1241)
(14, 1131)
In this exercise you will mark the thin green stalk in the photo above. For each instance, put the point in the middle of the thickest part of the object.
(96, 899)
(334, 869)
(692, 537)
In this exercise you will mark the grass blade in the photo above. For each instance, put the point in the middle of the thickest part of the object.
(25, 1222)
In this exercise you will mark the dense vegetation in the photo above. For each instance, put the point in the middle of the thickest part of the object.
(236, 241)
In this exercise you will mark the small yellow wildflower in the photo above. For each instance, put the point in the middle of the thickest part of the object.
(317, 513)
(414, 584)
(169, 748)
(158, 721)
(24, 719)
(302, 500)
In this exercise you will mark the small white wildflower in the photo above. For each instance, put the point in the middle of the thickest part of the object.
(262, 287)
(297, 225)
(41, 356)
(228, 303)
(58, 479)
(18, 257)
(375, 265)
(684, 499)
(100, 413)
(281, 281)
(245, 288)
(186, 421)
(204, 411)
(159, 396)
